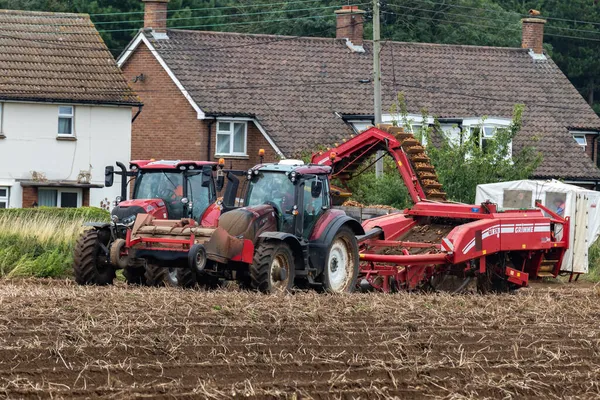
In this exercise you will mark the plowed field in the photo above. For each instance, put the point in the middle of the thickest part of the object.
(58, 340)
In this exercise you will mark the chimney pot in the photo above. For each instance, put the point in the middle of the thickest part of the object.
(533, 34)
(155, 15)
(350, 25)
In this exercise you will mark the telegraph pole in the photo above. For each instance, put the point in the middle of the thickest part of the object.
(377, 78)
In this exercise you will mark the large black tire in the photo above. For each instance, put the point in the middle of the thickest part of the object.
(270, 258)
(494, 280)
(156, 276)
(186, 278)
(135, 275)
(90, 263)
(341, 268)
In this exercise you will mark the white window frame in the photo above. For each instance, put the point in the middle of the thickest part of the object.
(231, 133)
(496, 123)
(5, 199)
(70, 116)
(581, 136)
(360, 125)
(59, 191)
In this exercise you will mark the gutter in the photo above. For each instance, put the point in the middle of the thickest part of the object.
(209, 144)
(137, 114)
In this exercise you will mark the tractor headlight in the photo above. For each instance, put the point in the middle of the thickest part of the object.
(249, 174)
(293, 175)
(114, 218)
(118, 199)
(129, 220)
(255, 172)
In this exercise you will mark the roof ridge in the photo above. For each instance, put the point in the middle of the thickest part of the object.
(42, 13)
(266, 35)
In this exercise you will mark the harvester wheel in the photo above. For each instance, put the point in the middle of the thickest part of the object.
(341, 270)
(156, 276)
(272, 269)
(90, 261)
(494, 280)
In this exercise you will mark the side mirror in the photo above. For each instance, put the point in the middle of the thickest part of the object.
(316, 189)
(109, 176)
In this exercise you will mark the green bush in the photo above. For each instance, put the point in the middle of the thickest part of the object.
(39, 242)
(594, 262)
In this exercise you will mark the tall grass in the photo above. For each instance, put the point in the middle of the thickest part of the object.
(40, 242)
(594, 263)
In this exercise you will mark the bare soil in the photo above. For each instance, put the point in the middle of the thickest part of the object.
(58, 340)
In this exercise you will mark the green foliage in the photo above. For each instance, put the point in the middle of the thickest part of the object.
(388, 190)
(594, 262)
(39, 242)
(87, 214)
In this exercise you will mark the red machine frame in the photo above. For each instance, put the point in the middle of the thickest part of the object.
(481, 231)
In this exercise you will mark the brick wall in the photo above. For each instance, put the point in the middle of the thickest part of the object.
(168, 127)
(155, 15)
(533, 34)
(85, 200)
(30, 196)
(589, 148)
(350, 24)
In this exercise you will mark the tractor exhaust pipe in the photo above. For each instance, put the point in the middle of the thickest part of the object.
(124, 175)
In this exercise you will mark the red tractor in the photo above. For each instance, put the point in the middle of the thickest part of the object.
(163, 189)
(287, 232)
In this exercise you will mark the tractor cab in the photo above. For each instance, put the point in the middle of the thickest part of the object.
(164, 189)
(298, 193)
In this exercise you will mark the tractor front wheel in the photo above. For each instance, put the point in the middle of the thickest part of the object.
(90, 260)
(272, 270)
(341, 270)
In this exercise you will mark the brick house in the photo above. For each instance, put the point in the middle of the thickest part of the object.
(65, 111)
(209, 94)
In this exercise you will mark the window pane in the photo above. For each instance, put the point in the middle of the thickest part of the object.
(224, 126)
(65, 110)
(223, 143)
(68, 200)
(580, 139)
(488, 131)
(3, 192)
(416, 128)
(239, 138)
(2, 204)
(47, 197)
(65, 126)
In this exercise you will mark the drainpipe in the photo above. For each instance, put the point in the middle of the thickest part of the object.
(137, 114)
(594, 150)
(210, 124)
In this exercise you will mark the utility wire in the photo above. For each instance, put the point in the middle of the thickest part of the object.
(488, 26)
(489, 19)
(502, 11)
(214, 8)
(61, 44)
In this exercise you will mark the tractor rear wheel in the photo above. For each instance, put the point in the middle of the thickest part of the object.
(135, 274)
(90, 260)
(156, 275)
(186, 278)
(341, 270)
(272, 270)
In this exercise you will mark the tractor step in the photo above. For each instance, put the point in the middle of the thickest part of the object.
(545, 275)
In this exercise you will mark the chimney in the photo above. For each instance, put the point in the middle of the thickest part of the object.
(533, 35)
(350, 26)
(155, 15)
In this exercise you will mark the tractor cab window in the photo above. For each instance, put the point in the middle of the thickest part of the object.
(200, 195)
(276, 189)
(315, 199)
(167, 186)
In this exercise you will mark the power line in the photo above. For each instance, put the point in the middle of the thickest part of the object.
(61, 44)
(489, 19)
(199, 17)
(212, 8)
(489, 26)
(503, 11)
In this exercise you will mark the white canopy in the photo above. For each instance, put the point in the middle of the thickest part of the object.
(582, 205)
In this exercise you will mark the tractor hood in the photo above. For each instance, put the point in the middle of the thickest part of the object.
(127, 210)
